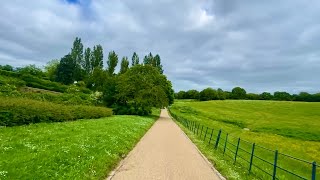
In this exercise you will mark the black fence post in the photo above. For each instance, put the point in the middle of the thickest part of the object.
(251, 158)
(218, 139)
(204, 139)
(225, 144)
(211, 136)
(314, 170)
(201, 132)
(275, 165)
(236, 154)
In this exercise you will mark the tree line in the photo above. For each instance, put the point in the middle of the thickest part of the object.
(135, 89)
(240, 93)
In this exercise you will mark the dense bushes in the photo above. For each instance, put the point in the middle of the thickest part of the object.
(36, 82)
(76, 98)
(19, 79)
(19, 111)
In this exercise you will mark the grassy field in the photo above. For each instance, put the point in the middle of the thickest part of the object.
(84, 149)
(291, 127)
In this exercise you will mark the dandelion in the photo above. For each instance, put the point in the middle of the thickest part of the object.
(3, 173)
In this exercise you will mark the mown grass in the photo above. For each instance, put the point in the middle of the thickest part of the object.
(291, 127)
(84, 149)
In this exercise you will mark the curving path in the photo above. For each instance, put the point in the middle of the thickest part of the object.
(164, 152)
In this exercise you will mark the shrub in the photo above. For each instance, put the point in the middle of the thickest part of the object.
(36, 82)
(20, 111)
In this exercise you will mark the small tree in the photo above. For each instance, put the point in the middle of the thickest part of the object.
(124, 65)
(157, 63)
(135, 59)
(51, 69)
(66, 70)
(112, 62)
(87, 65)
(97, 57)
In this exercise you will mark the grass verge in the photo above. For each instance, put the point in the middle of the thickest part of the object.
(84, 149)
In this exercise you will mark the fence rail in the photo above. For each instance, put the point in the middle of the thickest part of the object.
(233, 147)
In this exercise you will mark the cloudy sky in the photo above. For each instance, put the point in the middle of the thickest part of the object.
(259, 45)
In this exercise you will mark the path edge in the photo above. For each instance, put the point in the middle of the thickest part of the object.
(202, 155)
(121, 163)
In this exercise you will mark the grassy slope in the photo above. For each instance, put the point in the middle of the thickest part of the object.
(286, 126)
(84, 149)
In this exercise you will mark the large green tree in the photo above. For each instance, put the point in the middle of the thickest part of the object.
(112, 62)
(143, 87)
(238, 93)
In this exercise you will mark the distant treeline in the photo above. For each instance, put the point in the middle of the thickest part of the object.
(240, 93)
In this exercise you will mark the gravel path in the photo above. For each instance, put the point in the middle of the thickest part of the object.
(164, 153)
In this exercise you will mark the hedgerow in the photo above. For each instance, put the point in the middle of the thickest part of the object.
(21, 111)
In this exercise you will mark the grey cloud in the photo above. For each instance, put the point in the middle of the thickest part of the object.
(259, 45)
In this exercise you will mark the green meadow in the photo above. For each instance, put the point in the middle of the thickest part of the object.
(292, 128)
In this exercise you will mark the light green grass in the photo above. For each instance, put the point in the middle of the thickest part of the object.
(291, 127)
(84, 149)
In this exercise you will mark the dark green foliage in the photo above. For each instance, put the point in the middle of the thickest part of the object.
(282, 96)
(135, 59)
(266, 96)
(252, 96)
(6, 67)
(97, 79)
(87, 65)
(221, 94)
(112, 62)
(36, 82)
(157, 63)
(77, 51)
(31, 70)
(238, 93)
(51, 69)
(148, 59)
(193, 94)
(19, 111)
(181, 95)
(131, 110)
(9, 73)
(77, 57)
(109, 91)
(124, 65)
(5, 80)
(208, 94)
(66, 70)
(97, 57)
(143, 87)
